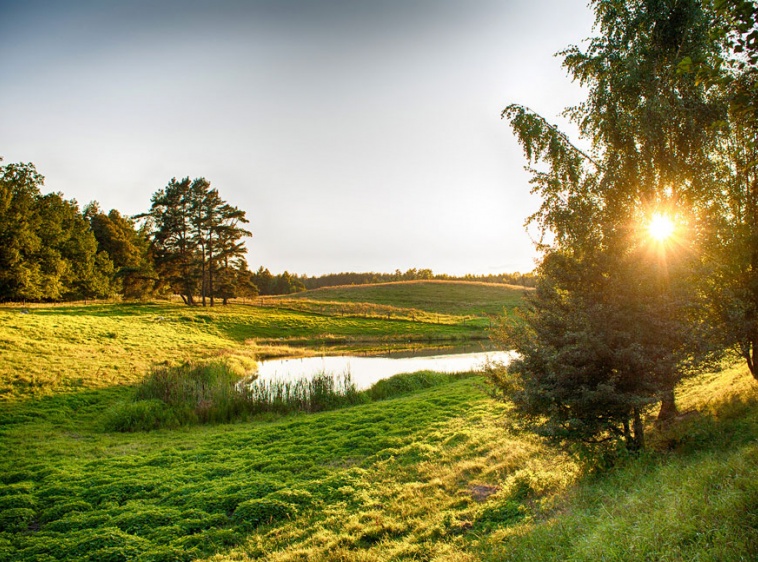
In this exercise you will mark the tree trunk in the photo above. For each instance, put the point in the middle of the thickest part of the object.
(668, 406)
(639, 431)
(210, 266)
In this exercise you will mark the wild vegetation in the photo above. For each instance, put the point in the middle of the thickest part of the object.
(649, 246)
(136, 432)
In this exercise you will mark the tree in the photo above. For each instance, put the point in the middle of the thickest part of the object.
(171, 237)
(21, 276)
(235, 280)
(193, 229)
(264, 281)
(731, 213)
(610, 329)
(47, 250)
(127, 248)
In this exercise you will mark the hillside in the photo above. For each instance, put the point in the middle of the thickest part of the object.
(69, 347)
(459, 298)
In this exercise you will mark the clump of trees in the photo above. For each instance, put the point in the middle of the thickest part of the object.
(191, 243)
(197, 240)
(669, 128)
(47, 249)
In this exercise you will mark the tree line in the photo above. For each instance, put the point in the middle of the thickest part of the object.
(413, 274)
(622, 312)
(190, 242)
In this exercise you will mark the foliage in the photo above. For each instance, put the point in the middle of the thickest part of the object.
(373, 278)
(612, 326)
(195, 235)
(282, 284)
(47, 251)
(127, 248)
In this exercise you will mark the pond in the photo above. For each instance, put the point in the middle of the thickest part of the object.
(365, 371)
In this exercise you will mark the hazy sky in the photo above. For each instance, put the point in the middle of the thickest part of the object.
(358, 135)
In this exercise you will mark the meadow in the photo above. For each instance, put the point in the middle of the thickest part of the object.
(423, 467)
(101, 345)
(459, 298)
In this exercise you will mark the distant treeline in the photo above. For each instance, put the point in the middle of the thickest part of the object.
(352, 278)
(190, 243)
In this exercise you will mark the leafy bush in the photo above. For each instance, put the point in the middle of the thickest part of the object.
(63, 508)
(16, 519)
(407, 383)
(253, 513)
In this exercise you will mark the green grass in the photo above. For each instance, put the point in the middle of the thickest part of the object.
(432, 474)
(427, 469)
(453, 298)
(54, 348)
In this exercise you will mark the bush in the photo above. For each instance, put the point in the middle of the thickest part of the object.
(263, 511)
(16, 519)
(146, 415)
(407, 383)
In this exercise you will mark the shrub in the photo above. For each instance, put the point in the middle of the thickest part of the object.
(16, 519)
(253, 513)
(407, 383)
(62, 509)
(146, 415)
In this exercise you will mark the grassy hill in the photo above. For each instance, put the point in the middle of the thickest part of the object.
(458, 298)
(434, 475)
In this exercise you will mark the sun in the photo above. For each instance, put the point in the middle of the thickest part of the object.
(660, 227)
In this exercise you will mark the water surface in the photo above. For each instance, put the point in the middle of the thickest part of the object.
(365, 371)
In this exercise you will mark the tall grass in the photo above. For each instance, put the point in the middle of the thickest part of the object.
(213, 392)
(323, 391)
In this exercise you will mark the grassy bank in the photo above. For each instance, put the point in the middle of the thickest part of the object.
(49, 348)
(432, 475)
(416, 469)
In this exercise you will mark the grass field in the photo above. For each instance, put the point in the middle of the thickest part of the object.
(413, 474)
(433, 475)
(455, 298)
(60, 347)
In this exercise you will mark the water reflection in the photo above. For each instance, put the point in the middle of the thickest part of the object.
(365, 371)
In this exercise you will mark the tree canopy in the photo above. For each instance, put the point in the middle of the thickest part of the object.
(617, 319)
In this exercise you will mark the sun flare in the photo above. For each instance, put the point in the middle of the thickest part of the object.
(660, 227)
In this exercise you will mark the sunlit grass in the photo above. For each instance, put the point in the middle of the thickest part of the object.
(455, 298)
(47, 348)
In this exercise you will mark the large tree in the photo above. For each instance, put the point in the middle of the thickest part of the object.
(193, 231)
(610, 328)
(731, 212)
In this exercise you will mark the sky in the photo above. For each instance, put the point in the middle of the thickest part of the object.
(358, 135)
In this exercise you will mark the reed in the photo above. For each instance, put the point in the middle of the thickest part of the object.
(213, 392)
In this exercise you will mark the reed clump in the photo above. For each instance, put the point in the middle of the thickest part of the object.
(214, 392)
